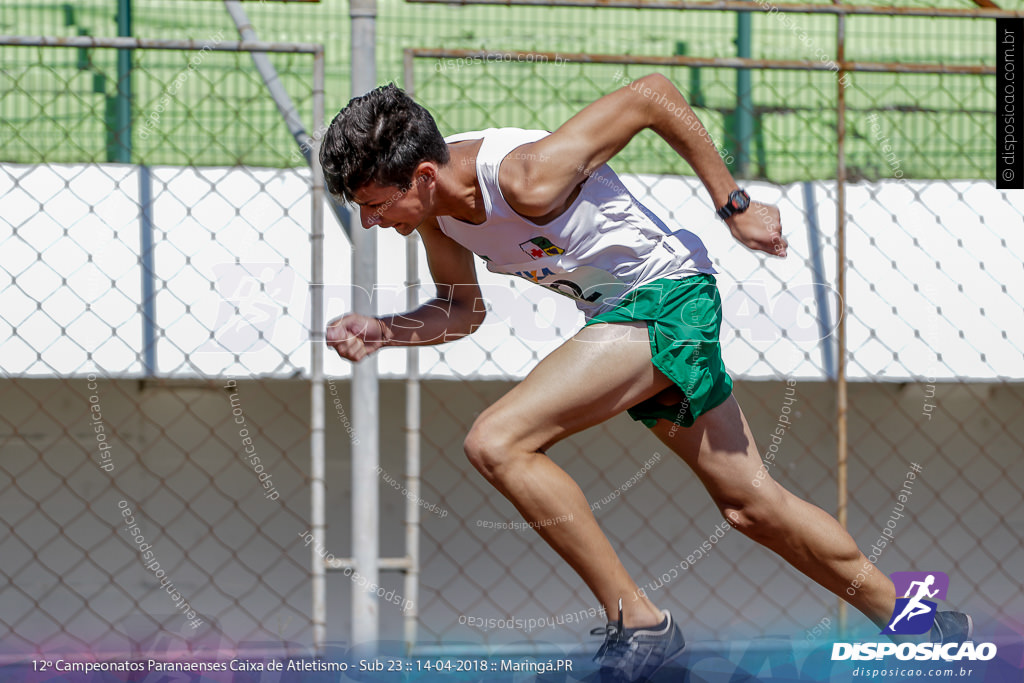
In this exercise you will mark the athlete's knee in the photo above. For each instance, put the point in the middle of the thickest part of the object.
(475, 446)
(488, 447)
(755, 514)
(753, 521)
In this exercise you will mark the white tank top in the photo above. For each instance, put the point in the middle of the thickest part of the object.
(604, 245)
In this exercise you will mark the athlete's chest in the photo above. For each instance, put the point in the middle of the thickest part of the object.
(508, 242)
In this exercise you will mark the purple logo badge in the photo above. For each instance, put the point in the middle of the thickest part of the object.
(915, 612)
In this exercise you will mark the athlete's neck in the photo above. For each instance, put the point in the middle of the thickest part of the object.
(458, 191)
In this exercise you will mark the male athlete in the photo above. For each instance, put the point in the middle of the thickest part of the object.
(546, 206)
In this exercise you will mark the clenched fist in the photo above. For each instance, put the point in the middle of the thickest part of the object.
(760, 228)
(355, 336)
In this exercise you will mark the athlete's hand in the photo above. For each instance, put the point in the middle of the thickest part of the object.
(759, 228)
(355, 336)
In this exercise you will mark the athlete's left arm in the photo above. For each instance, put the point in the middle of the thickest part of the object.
(540, 177)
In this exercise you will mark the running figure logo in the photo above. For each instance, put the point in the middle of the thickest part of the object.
(914, 613)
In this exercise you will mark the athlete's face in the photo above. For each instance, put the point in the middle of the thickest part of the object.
(388, 206)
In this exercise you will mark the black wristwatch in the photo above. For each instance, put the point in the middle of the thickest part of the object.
(738, 202)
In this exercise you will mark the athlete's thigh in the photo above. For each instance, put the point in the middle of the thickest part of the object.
(720, 450)
(597, 374)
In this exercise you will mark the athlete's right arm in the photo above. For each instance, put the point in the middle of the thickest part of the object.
(455, 312)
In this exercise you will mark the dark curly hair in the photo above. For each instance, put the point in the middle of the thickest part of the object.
(380, 137)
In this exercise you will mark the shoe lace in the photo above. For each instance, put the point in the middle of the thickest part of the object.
(616, 642)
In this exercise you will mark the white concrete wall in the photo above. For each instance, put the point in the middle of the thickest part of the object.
(927, 260)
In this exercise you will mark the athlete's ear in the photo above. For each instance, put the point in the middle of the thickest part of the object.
(425, 174)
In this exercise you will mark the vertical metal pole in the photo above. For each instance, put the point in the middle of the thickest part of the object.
(841, 398)
(316, 413)
(412, 423)
(121, 152)
(365, 413)
(148, 271)
(744, 98)
(818, 268)
(123, 98)
(412, 452)
(696, 94)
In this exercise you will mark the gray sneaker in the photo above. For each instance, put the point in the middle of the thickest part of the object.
(952, 627)
(634, 655)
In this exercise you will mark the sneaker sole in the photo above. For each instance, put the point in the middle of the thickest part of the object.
(970, 630)
(668, 659)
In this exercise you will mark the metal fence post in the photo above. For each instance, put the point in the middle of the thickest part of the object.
(841, 405)
(365, 452)
(412, 418)
(744, 121)
(122, 138)
(317, 436)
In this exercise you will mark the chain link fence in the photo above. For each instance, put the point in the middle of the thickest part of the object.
(565, 29)
(155, 345)
(166, 341)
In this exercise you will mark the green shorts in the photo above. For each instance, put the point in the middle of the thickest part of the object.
(683, 321)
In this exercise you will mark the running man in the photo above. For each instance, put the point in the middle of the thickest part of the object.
(914, 606)
(545, 206)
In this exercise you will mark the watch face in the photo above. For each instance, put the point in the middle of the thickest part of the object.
(740, 200)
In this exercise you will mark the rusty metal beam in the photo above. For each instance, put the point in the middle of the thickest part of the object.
(720, 62)
(842, 406)
(159, 44)
(747, 6)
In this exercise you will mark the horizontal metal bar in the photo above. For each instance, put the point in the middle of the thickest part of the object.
(744, 6)
(394, 564)
(678, 60)
(160, 44)
(895, 67)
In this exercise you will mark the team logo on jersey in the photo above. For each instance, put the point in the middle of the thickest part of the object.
(539, 247)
